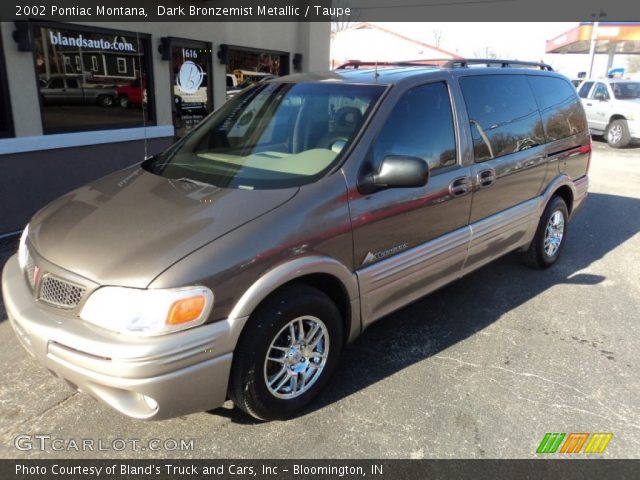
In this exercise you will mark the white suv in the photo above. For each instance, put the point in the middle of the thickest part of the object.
(613, 108)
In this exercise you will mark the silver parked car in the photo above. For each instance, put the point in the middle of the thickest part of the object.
(613, 109)
(239, 263)
(69, 90)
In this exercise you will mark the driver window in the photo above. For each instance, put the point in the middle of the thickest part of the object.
(420, 125)
(601, 88)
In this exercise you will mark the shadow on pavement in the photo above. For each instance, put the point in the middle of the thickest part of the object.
(459, 310)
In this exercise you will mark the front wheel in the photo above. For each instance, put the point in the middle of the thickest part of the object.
(287, 352)
(550, 236)
(124, 102)
(618, 135)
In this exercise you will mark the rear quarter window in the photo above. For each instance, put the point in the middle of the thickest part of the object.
(562, 114)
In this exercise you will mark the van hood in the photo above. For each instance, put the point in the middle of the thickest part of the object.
(128, 227)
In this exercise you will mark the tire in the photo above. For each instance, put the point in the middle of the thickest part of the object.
(267, 336)
(546, 247)
(105, 100)
(617, 134)
(124, 102)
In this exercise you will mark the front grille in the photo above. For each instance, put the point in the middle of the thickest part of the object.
(60, 293)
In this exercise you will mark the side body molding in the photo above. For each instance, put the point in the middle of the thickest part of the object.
(297, 268)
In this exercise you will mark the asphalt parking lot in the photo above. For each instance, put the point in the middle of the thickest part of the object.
(482, 368)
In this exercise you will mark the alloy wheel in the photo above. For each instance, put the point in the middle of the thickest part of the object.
(296, 357)
(554, 232)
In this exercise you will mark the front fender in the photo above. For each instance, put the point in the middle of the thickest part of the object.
(298, 268)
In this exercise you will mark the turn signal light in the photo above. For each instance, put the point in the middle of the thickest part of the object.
(186, 310)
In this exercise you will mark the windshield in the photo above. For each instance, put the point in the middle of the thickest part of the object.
(274, 135)
(626, 90)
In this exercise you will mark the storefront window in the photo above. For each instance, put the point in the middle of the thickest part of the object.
(247, 66)
(92, 79)
(6, 126)
(191, 73)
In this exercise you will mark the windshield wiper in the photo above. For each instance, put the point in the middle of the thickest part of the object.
(194, 182)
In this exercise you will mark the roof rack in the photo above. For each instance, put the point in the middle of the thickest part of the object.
(489, 62)
(355, 64)
(448, 63)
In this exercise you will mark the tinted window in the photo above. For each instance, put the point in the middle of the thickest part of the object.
(56, 83)
(626, 90)
(106, 73)
(584, 89)
(601, 89)
(560, 108)
(503, 114)
(420, 125)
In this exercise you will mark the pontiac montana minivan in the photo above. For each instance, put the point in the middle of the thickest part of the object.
(238, 263)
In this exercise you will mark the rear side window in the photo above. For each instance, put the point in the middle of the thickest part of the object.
(562, 114)
(420, 125)
(584, 89)
(503, 114)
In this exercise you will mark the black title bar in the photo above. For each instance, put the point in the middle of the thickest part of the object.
(318, 10)
(318, 469)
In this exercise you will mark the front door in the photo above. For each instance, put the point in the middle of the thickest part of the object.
(408, 241)
(190, 83)
(600, 104)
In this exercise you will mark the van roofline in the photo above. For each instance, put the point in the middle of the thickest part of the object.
(392, 73)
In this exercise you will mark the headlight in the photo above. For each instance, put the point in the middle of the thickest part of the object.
(134, 311)
(22, 248)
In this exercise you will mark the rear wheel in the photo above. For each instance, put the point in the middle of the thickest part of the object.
(618, 135)
(287, 352)
(105, 100)
(124, 102)
(549, 239)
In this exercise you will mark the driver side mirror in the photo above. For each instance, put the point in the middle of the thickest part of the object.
(396, 171)
(600, 97)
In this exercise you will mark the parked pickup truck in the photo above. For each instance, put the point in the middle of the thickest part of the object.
(132, 94)
(613, 109)
(72, 91)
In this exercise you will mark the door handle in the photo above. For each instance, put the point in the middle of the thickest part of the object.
(460, 186)
(589, 104)
(486, 178)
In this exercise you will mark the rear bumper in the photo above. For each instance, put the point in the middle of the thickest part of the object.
(581, 191)
(147, 378)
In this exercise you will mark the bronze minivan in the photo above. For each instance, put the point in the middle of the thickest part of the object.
(238, 263)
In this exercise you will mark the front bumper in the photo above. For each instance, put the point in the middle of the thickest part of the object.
(634, 129)
(182, 373)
